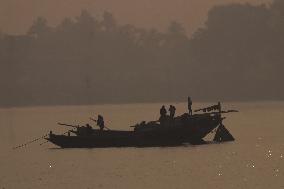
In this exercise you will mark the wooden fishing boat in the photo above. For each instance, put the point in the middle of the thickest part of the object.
(168, 131)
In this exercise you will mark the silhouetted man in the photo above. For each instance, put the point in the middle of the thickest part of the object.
(219, 107)
(100, 122)
(163, 111)
(172, 111)
(89, 128)
(189, 104)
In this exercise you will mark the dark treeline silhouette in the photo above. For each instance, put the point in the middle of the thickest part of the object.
(237, 55)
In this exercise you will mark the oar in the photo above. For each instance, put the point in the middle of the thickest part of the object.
(74, 126)
(96, 121)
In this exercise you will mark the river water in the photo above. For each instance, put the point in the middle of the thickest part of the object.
(255, 160)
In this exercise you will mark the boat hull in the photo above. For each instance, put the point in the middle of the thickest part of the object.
(182, 131)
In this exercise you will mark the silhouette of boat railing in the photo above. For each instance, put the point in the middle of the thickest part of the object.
(167, 131)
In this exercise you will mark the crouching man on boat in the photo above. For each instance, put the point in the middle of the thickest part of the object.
(100, 122)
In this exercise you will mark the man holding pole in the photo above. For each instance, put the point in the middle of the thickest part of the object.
(189, 104)
(100, 122)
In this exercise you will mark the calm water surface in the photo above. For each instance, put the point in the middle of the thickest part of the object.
(254, 160)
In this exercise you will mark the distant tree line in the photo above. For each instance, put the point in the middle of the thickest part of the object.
(237, 55)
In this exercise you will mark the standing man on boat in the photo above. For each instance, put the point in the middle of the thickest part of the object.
(163, 114)
(219, 107)
(163, 111)
(100, 122)
(189, 104)
(172, 111)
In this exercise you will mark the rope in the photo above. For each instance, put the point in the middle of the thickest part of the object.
(37, 139)
(32, 141)
(43, 142)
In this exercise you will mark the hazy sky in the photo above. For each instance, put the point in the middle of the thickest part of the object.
(17, 15)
